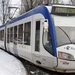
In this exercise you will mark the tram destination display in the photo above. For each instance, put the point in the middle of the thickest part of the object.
(64, 10)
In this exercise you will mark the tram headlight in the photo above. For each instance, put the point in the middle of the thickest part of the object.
(65, 56)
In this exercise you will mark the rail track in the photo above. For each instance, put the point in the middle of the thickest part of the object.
(34, 70)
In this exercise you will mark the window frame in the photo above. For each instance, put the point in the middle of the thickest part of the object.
(27, 33)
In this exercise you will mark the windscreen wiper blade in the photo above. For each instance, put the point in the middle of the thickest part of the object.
(65, 34)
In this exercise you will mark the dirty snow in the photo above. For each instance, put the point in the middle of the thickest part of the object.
(9, 65)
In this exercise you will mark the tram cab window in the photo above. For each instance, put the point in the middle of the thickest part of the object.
(8, 35)
(20, 34)
(27, 30)
(11, 34)
(47, 41)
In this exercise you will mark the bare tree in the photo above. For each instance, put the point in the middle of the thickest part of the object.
(4, 11)
(73, 2)
(29, 4)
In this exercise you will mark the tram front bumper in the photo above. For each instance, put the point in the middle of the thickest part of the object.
(66, 66)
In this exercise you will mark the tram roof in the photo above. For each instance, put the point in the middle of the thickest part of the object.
(29, 13)
(36, 10)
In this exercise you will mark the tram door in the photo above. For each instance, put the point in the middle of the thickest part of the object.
(36, 57)
(15, 41)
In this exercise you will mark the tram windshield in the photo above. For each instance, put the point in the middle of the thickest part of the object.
(65, 35)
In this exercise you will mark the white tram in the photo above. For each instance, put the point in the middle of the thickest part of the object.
(44, 36)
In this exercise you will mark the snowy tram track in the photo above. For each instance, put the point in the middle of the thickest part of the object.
(10, 65)
(34, 70)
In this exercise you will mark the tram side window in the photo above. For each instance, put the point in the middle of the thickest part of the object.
(15, 34)
(11, 34)
(0, 35)
(27, 30)
(37, 36)
(20, 34)
(8, 35)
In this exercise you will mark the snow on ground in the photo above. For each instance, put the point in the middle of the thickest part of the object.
(10, 65)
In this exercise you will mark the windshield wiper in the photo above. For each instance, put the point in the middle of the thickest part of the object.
(65, 34)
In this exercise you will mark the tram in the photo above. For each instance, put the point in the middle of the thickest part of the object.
(44, 36)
